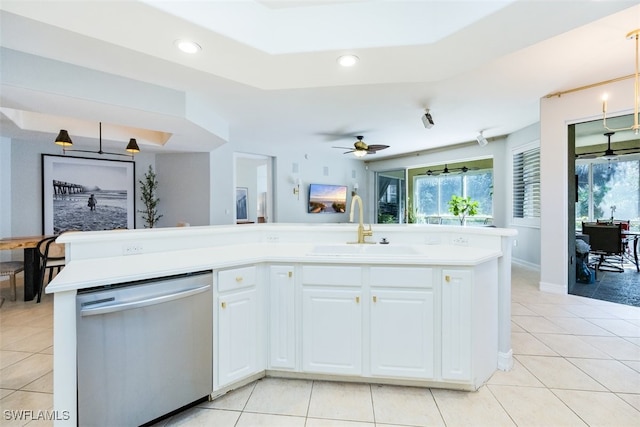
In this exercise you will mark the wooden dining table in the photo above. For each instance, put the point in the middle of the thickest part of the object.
(31, 261)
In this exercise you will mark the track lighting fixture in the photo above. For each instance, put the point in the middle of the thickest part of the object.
(64, 140)
(427, 120)
(482, 141)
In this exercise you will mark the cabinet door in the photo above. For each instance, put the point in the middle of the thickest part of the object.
(332, 331)
(237, 336)
(456, 324)
(282, 345)
(402, 333)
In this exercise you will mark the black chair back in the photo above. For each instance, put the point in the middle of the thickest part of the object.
(604, 239)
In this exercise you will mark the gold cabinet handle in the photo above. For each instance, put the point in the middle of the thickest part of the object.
(223, 305)
(291, 274)
(447, 278)
(357, 300)
(239, 279)
(375, 298)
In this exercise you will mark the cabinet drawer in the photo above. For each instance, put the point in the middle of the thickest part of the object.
(402, 277)
(236, 278)
(332, 276)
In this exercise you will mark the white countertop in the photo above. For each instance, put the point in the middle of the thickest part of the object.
(88, 273)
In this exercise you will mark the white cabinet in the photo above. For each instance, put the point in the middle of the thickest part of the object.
(332, 319)
(457, 314)
(282, 342)
(237, 311)
(402, 333)
(401, 322)
(332, 331)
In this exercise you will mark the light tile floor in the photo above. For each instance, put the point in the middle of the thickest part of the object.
(577, 362)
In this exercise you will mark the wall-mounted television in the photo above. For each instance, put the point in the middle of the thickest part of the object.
(326, 198)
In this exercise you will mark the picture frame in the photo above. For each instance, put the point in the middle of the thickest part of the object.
(69, 182)
(242, 213)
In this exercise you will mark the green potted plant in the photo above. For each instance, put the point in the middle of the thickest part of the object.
(148, 188)
(462, 207)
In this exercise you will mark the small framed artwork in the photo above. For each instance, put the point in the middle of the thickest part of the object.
(86, 194)
(242, 213)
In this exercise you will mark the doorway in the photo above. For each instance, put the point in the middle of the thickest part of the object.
(254, 182)
(603, 187)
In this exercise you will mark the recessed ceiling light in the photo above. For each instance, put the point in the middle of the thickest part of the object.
(188, 46)
(348, 60)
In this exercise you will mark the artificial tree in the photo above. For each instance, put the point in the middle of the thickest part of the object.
(148, 188)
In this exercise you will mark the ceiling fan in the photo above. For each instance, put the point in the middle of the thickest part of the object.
(446, 170)
(361, 149)
(608, 154)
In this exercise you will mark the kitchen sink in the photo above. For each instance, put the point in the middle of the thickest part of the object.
(364, 250)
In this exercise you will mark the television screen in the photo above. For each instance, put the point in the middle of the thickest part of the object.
(325, 198)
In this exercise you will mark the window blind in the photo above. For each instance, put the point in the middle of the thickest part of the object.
(526, 184)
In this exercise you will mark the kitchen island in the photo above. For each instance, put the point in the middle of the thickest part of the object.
(430, 308)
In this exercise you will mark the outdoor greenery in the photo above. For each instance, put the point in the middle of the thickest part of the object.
(148, 188)
(462, 207)
(612, 184)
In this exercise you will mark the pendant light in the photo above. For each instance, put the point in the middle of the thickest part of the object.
(64, 140)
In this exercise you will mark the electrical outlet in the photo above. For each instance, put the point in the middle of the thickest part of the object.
(132, 249)
(515, 242)
(461, 241)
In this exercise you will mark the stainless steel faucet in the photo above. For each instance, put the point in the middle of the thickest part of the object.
(362, 233)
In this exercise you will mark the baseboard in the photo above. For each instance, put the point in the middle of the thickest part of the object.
(527, 264)
(553, 288)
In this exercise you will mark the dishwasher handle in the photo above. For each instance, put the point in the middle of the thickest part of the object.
(113, 308)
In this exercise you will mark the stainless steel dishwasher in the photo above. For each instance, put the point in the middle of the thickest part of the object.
(144, 349)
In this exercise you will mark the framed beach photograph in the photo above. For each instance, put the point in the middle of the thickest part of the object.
(326, 198)
(87, 194)
(242, 213)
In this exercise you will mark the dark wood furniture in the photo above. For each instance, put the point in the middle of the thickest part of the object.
(31, 260)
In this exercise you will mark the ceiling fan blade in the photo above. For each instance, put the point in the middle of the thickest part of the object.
(371, 152)
(586, 156)
(630, 150)
(377, 147)
(350, 151)
(336, 136)
(345, 148)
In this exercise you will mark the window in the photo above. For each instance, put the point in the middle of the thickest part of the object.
(432, 194)
(526, 183)
(390, 188)
(603, 185)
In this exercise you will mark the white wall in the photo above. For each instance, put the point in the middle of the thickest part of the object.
(317, 169)
(183, 189)
(26, 183)
(5, 193)
(555, 115)
(527, 249)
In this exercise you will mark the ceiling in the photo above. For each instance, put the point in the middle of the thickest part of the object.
(267, 74)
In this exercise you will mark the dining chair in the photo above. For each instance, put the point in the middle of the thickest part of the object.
(606, 243)
(11, 268)
(434, 220)
(52, 257)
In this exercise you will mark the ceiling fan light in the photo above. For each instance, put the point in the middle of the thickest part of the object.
(63, 139)
(132, 146)
(360, 153)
